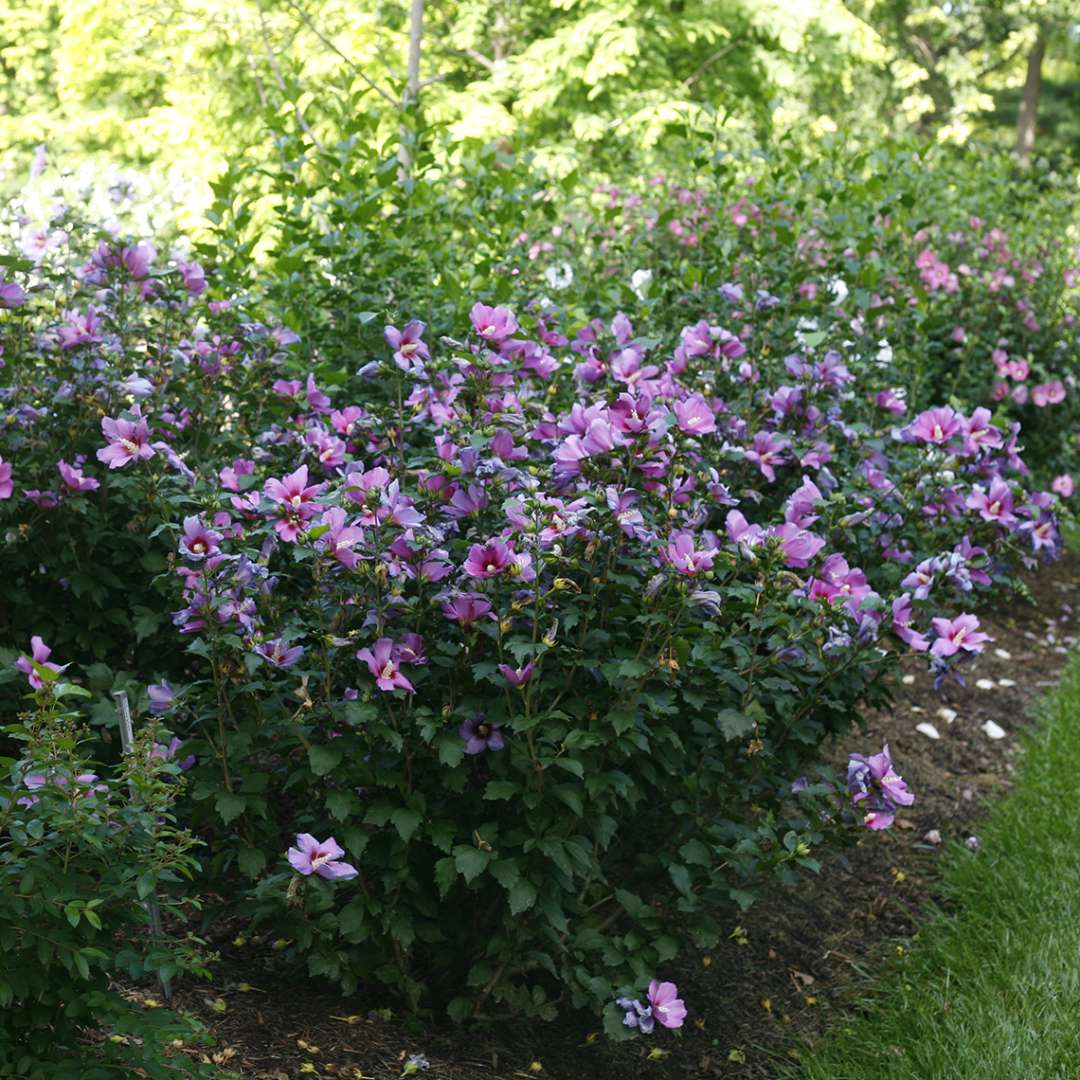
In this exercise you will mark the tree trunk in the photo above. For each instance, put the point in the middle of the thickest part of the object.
(1029, 107)
(412, 88)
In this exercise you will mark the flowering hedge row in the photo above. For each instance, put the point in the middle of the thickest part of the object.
(956, 276)
(541, 621)
(953, 270)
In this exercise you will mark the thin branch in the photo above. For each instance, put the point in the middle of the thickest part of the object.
(475, 55)
(923, 48)
(1005, 61)
(280, 78)
(718, 55)
(259, 89)
(333, 48)
(395, 76)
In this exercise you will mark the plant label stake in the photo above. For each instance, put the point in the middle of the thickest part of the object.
(127, 743)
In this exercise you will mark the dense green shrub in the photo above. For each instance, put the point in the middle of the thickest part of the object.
(542, 611)
(80, 856)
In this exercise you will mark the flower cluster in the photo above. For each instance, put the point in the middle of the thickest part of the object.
(876, 789)
(664, 1007)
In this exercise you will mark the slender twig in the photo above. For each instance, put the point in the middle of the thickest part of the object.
(718, 55)
(476, 56)
(279, 77)
(127, 744)
(305, 18)
(395, 76)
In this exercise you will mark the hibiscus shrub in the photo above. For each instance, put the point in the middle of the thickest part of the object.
(79, 857)
(81, 542)
(545, 653)
(954, 273)
(954, 270)
(500, 663)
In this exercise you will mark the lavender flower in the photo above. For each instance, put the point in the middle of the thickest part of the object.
(664, 1007)
(278, 654)
(311, 856)
(162, 696)
(874, 781)
(480, 734)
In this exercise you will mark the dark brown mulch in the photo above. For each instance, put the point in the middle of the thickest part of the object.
(790, 965)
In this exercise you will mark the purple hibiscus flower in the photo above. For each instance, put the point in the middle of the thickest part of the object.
(322, 857)
(694, 416)
(488, 560)
(902, 615)
(167, 752)
(767, 452)
(936, 426)
(383, 664)
(409, 350)
(161, 697)
(11, 295)
(295, 500)
(193, 276)
(467, 608)
(799, 546)
(664, 1007)
(517, 676)
(494, 323)
(278, 654)
(683, 556)
(40, 652)
(874, 780)
(480, 734)
(129, 440)
(959, 634)
(340, 538)
(197, 541)
(74, 479)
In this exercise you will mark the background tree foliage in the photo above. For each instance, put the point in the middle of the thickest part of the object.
(187, 84)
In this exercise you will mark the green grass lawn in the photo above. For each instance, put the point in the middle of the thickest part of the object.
(991, 992)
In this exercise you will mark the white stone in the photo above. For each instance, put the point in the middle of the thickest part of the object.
(1006, 682)
(946, 714)
(993, 730)
(928, 730)
(1003, 654)
(986, 684)
(907, 680)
